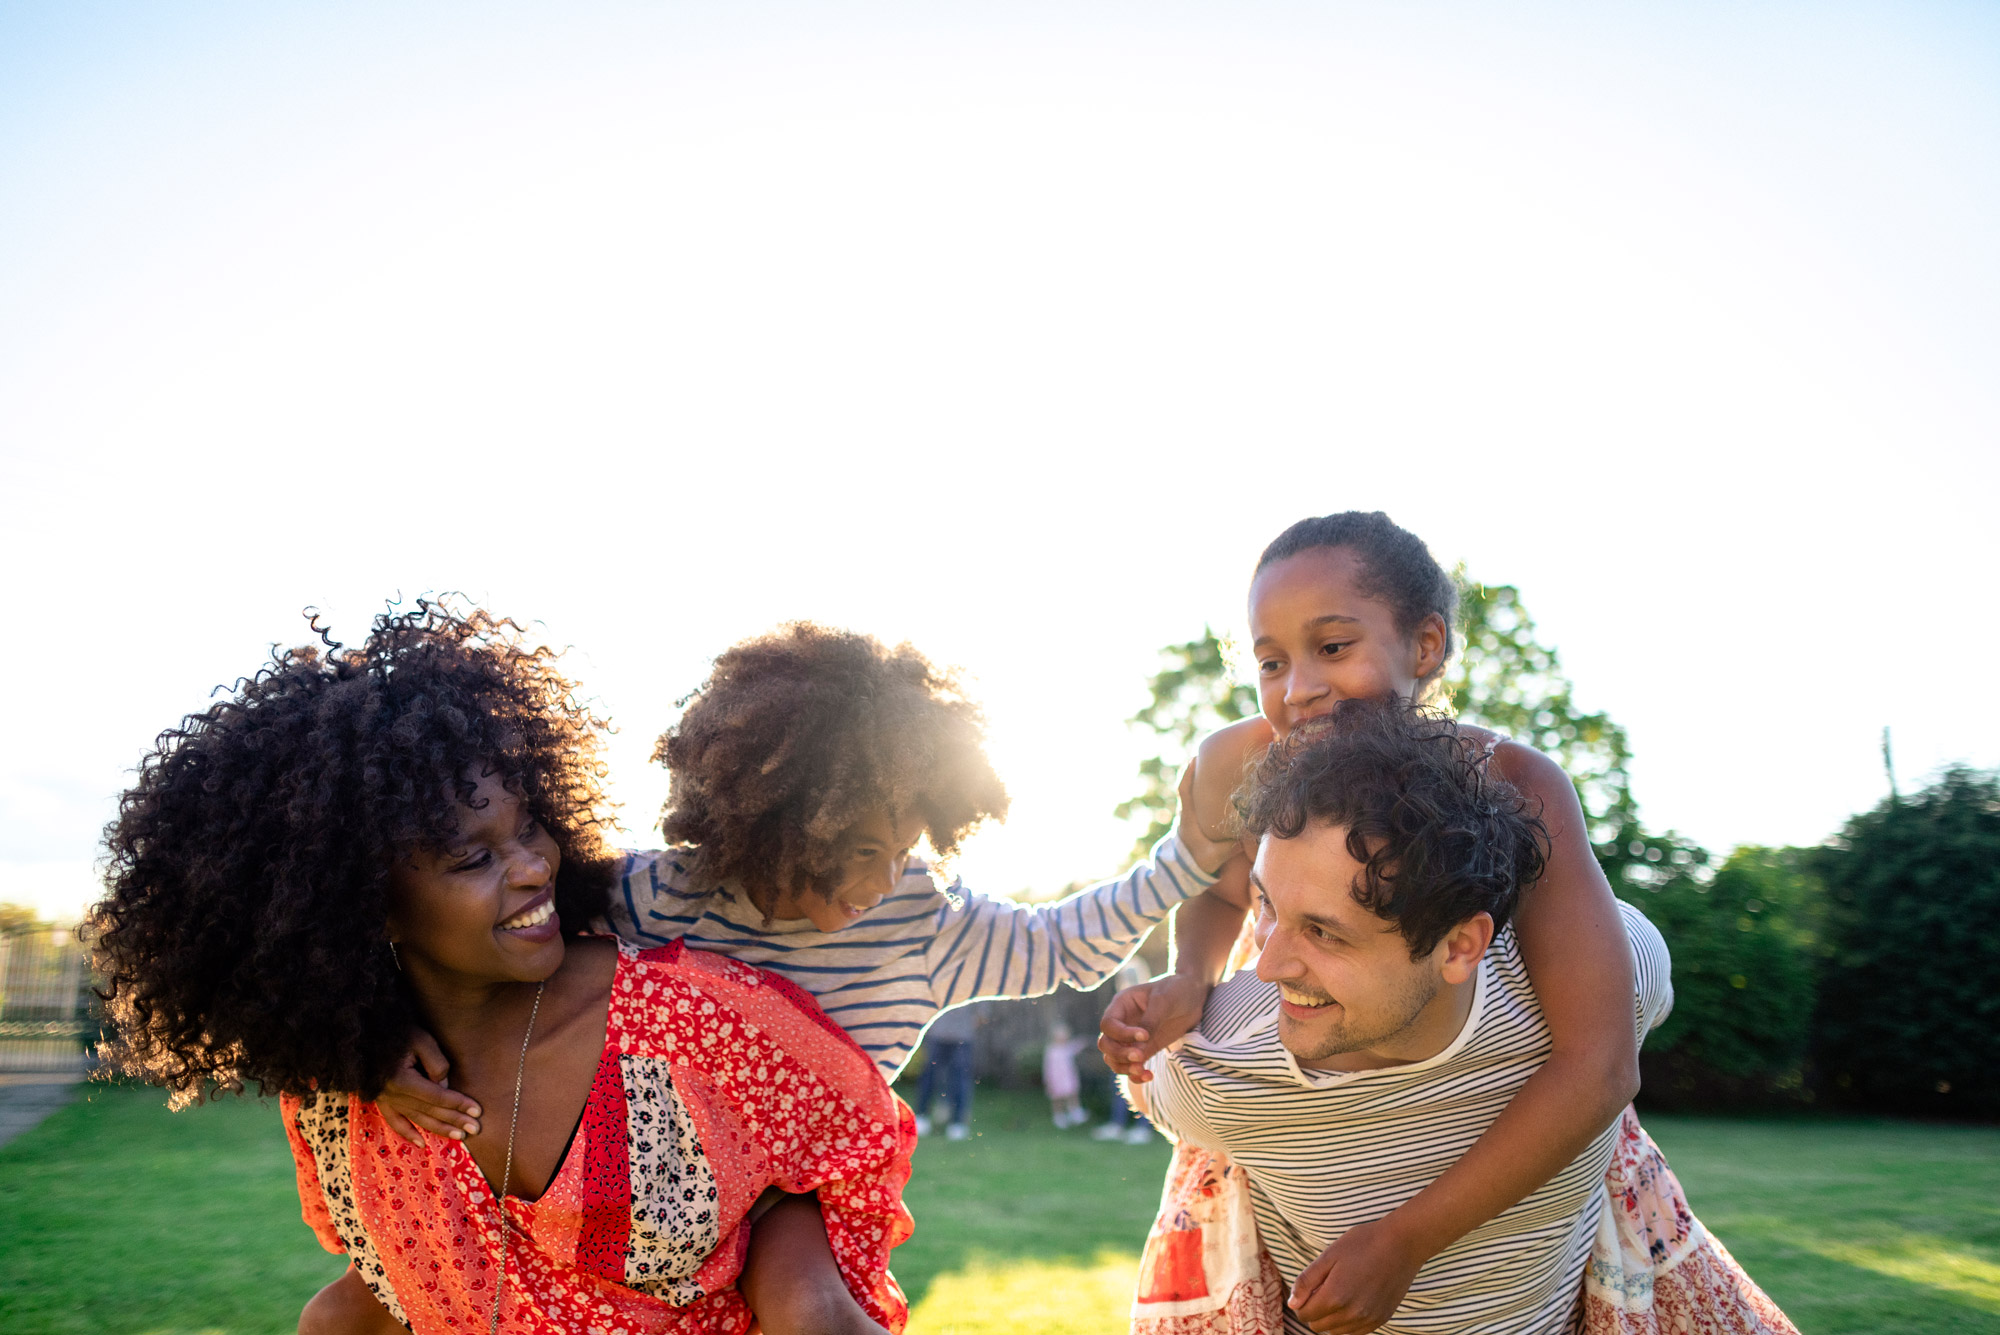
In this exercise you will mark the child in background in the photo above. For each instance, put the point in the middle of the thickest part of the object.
(1059, 1077)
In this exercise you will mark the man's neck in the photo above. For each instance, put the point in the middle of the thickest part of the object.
(1435, 1028)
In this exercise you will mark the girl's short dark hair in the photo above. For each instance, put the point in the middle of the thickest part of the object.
(797, 736)
(1396, 567)
(1439, 838)
(244, 935)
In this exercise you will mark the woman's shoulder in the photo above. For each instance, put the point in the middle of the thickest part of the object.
(709, 1010)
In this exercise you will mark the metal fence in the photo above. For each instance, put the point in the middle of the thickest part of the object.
(47, 1020)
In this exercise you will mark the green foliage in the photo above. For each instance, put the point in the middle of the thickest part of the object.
(1909, 1015)
(1192, 696)
(18, 917)
(1507, 680)
(1743, 946)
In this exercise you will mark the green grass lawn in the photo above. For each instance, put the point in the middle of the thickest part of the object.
(119, 1218)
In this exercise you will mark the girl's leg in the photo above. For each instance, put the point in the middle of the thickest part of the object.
(347, 1307)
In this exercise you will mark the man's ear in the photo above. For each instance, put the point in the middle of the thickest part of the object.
(1464, 946)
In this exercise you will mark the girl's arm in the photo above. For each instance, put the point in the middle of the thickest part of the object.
(1574, 944)
(790, 1279)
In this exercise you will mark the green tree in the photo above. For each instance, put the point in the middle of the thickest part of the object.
(1192, 696)
(1744, 949)
(1909, 1019)
(17, 917)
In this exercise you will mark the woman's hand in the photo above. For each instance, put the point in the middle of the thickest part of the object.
(1147, 1017)
(418, 1097)
(1357, 1283)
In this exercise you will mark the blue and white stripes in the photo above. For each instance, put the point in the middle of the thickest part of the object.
(920, 950)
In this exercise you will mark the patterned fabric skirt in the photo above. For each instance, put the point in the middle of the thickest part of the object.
(1655, 1268)
(1653, 1271)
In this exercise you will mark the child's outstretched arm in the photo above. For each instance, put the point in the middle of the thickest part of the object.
(1580, 962)
(998, 948)
(1147, 1017)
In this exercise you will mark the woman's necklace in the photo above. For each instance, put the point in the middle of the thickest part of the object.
(507, 1173)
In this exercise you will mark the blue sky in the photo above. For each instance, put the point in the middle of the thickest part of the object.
(1015, 331)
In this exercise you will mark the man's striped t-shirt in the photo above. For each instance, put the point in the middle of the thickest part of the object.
(1326, 1150)
(922, 949)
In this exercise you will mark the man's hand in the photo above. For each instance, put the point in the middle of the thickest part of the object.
(1147, 1017)
(1357, 1283)
(418, 1097)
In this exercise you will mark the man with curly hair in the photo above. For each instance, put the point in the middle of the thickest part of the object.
(804, 772)
(1387, 1023)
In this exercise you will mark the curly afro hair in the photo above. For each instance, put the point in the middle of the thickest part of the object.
(244, 934)
(1437, 836)
(797, 736)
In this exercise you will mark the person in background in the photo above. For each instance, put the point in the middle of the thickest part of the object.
(1124, 1124)
(949, 1042)
(1059, 1077)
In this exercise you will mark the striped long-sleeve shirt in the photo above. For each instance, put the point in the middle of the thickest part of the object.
(1326, 1150)
(921, 950)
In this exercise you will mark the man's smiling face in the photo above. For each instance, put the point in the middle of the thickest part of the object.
(1351, 997)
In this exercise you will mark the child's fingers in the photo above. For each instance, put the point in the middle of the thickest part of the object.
(430, 1057)
(445, 1129)
(400, 1124)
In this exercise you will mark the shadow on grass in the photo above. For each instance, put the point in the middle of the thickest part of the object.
(1852, 1224)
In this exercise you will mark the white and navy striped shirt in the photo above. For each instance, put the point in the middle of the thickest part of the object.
(919, 951)
(1326, 1150)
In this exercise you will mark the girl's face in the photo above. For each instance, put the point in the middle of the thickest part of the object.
(482, 910)
(1318, 640)
(874, 855)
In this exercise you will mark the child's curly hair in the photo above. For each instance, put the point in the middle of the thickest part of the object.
(797, 736)
(244, 933)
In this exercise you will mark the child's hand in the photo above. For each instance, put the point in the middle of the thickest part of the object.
(417, 1096)
(1145, 1018)
(1226, 755)
(1357, 1283)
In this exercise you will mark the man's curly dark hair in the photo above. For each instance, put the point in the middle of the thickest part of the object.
(798, 735)
(1438, 837)
(244, 934)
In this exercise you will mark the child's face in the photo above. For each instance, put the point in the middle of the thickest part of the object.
(874, 855)
(1319, 641)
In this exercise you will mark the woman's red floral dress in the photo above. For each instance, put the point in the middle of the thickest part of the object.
(718, 1080)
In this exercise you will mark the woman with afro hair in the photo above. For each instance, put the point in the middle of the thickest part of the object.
(356, 844)
(804, 772)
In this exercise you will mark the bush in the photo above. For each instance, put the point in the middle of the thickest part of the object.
(1909, 1016)
(1743, 947)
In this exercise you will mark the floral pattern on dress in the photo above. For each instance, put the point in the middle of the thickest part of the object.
(717, 1081)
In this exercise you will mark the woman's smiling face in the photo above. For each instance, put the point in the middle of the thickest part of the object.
(1318, 639)
(482, 910)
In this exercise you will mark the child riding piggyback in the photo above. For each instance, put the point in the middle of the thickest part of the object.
(805, 771)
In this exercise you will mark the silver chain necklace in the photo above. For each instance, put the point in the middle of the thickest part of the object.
(507, 1173)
